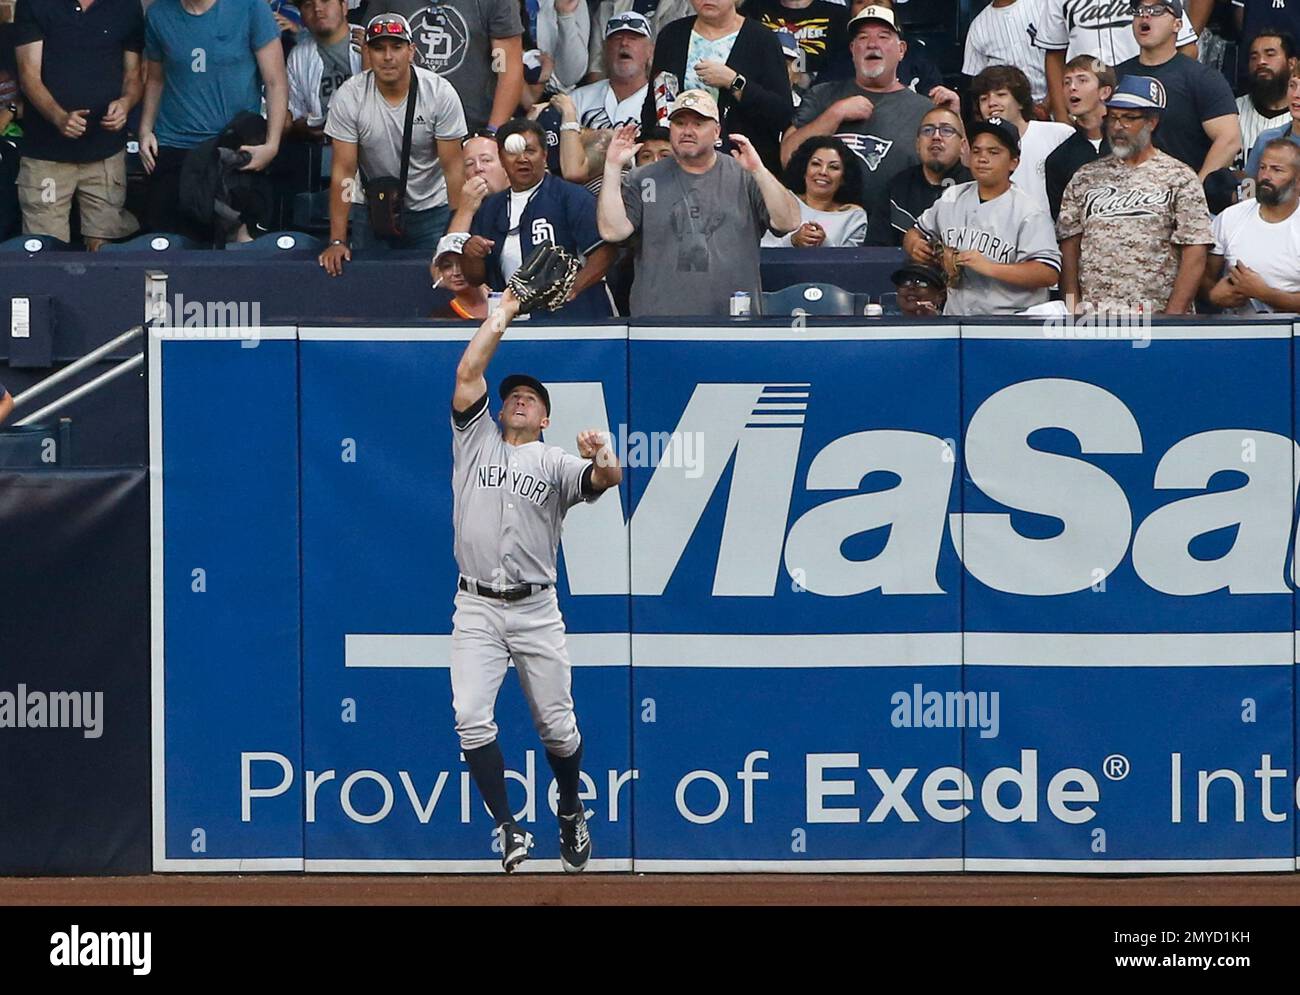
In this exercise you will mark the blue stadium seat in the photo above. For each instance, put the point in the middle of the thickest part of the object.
(279, 241)
(33, 243)
(157, 242)
(810, 298)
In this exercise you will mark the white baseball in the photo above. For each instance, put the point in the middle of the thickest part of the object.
(515, 144)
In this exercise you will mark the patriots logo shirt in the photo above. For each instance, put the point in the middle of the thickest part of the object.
(870, 149)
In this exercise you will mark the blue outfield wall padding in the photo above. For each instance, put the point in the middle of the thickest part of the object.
(880, 597)
(227, 667)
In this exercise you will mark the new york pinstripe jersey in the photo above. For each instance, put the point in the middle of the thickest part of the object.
(999, 36)
(1010, 228)
(1101, 28)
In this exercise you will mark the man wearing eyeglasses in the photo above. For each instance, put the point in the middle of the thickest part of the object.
(1103, 28)
(1134, 226)
(940, 145)
(1199, 125)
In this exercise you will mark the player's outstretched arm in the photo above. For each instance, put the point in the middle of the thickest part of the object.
(471, 380)
(605, 470)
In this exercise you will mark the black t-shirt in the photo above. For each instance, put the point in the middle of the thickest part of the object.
(908, 195)
(81, 66)
(1064, 161)
(1194, 93)
(819, 27)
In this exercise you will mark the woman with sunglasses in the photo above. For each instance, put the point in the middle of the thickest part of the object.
(822, 173)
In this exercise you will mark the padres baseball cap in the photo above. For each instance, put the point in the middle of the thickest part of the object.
(388, 26)
(1004, 131)
(789, 44)
(917, 271)
(524, 380)
(873, 13)
(629, 20)
(698, 101)
(1142, 93)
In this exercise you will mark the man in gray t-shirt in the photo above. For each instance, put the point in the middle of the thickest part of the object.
(873, 113)
(367, 121)
(699, 216)
(457, 39)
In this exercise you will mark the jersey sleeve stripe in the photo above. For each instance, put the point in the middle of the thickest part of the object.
(462, 420)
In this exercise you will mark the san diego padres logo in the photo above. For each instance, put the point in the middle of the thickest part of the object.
(542, 231)
(441, 36)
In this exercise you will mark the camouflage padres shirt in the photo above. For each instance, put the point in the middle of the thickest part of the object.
(1132, 218)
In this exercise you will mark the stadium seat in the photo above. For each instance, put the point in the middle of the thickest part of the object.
(30, 445)
(279, 241)
(810, 298)
(156, 242)
(33, 243)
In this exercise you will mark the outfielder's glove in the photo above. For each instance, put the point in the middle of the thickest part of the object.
(951, 267)
(545, 279)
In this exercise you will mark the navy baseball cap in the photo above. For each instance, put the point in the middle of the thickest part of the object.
(1139, 93)
(524, 380)
(1004, 131)
(928, 275)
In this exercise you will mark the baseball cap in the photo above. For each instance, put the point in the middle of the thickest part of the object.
(1175, 6)
(918, 271)
(1004, 131)
(388, 26)
(1143, 93)
(451, 242)
(873, 13)
(698, 101)
(524, 380)
(789, 44)
(629, 20)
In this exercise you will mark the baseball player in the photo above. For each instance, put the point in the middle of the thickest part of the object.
(511, 492)
(994, 240)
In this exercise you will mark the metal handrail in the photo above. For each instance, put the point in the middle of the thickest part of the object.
(72, 369)
(89, 387)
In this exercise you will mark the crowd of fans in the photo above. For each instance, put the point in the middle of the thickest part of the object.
(1094, 156)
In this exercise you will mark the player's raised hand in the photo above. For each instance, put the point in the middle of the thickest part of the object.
(744, 153)
(623, 147)
(590, 442)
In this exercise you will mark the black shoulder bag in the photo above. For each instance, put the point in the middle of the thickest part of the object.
(386, 195)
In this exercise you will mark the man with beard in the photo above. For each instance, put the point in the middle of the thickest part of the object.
(1264, 105)
(699, 215)
(1255, 262)
(1290, 130)
(874, 114)
(1134, 227)
(1199, 122)
(1089, 82)
(941, 145)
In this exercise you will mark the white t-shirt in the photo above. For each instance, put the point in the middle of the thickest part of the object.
(1036, 144)
(1253, 123)
(511, 253)
(599, 107)
(1271, 249)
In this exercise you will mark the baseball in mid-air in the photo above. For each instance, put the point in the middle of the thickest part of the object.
(515, 144)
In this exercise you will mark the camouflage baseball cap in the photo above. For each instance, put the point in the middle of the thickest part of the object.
(698, 101)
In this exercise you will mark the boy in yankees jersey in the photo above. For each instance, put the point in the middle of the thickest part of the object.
(510, 494)
(998, 243)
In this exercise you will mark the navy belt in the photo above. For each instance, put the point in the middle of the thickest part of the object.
(516, 593)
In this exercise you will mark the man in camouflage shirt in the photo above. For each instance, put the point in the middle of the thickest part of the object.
(1134, 226)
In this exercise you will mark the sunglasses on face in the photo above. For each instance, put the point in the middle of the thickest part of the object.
(943, 130)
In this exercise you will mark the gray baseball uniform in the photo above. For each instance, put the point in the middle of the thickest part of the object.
(509, 504)
(1011, 228)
